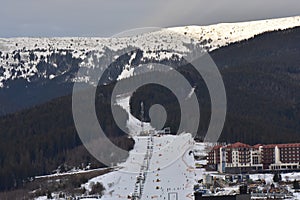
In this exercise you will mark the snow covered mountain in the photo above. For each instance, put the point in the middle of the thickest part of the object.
(215, 36)
(35, 70)
(36, 59)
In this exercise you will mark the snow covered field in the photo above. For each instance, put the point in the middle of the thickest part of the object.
(171, 170)
(227, 33)
(269, 177)
(133, 124)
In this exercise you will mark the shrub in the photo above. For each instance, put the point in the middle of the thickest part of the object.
(97, 188)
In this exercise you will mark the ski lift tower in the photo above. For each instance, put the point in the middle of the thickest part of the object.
(142, 116)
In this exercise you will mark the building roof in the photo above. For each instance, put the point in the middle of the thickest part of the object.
(238, 145)
(257, 146)
(266, 146)
(269, 146)
(282, 145)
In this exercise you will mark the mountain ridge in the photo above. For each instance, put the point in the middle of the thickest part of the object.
(36, 70)
(20, 57)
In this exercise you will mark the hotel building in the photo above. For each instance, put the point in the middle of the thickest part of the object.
(239, 157)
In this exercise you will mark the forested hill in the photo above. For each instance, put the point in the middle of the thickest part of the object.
(261, 77)
(41, 139)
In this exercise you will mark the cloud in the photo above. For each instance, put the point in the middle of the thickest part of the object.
(104, 18)
(203, 12)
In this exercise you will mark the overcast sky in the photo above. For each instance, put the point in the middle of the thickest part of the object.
(107, 17)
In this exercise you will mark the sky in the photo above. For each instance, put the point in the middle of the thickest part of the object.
(104, 18)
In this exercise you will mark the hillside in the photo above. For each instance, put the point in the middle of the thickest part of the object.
(261, 80)
(43, 140)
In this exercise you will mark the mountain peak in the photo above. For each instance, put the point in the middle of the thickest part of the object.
(226, 33)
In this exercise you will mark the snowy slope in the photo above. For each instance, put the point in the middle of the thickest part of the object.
(227, 33)
(269, 177)
(171, 170)
(19, 57)
(133, 124)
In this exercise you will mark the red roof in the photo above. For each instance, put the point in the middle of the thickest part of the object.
(270, 146)
(238, 145)
(257, 146)
(282, 145)
(289, 145)
(216, 147)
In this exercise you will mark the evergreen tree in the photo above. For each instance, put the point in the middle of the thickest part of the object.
(296, 185)
(277, 177)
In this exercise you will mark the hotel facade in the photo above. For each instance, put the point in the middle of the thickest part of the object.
(240, 158)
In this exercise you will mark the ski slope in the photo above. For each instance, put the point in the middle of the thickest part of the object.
(171, 170)
(133, 124)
